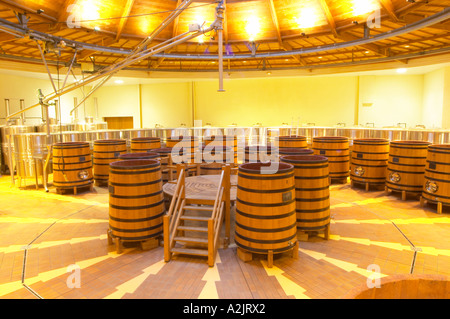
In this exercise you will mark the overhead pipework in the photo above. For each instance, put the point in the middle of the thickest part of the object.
(140, 52)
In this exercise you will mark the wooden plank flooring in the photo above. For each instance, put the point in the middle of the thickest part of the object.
(63, 231)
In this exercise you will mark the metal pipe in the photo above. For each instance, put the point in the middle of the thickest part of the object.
(434, 19)
(129, 60)
(7, 108)
(57, 113)
(46, 66)
(219, 19)
(22, 115)
(94, 78)
(70, 68)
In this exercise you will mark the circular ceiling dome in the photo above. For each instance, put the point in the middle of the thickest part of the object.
(257, 34)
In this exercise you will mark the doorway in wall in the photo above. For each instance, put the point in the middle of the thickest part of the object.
(119, 122)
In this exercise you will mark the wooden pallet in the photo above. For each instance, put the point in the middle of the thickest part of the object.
(424, 201)
(366, 184)
(74, 190)
(403, 193)
(304, 235)
(146, 244)
(338, 180)
(101, 183)
(246, 255)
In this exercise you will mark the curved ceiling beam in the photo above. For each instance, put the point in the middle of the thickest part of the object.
(417, 25)
(434, 19)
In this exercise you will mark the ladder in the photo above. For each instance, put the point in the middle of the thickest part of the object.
(193, 226)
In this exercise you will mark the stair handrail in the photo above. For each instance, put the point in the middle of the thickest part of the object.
(172, 217)
(215, 221)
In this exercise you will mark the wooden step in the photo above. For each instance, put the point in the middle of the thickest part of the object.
(204, 208)
(190, 251)
(198, 218)
(195, 240)
(193, 228)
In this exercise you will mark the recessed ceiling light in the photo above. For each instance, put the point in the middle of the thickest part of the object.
(320, 57)
(118, 81)
(406, 46)
(367, 52)
(269, 73)
(401, 70)
(97, 28)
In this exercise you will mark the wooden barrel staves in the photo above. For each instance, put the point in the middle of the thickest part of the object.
(165, 156)
(336, 149)
(72, 166)
(214, 158)
(285, 151)
(144, 144)
(406, 167)
(260, 153)
(436, 185)
(369, 161)
(136, 200)
(312, 193)
(184, 148)
(265, 210)
(292, 141)
(143, 155)
(106, 152)
(224, 141)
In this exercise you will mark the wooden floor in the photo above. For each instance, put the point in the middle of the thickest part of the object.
(59, 232)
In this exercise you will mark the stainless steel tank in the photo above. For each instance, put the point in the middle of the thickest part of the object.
(181, 131)
(382, 133)
(417, 135)
(106, 134)
(5, 133)
(307, 131)
(30, 151)
(330, 131)
(95, 126)
(162, 133)
(445, 136)
(399, 134)
(54, 128)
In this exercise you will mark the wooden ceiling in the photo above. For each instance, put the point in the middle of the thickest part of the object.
(278, 26)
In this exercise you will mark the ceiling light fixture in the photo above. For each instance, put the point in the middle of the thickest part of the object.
(361, 7)
(307, 19)
(252, 27)
(401, 70)
(118, 81)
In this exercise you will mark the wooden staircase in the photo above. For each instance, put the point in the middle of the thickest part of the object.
(192, 227)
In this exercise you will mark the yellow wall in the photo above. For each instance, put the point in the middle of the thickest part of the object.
(395, 99)
(433, 98)
(115, 101)
(166, 104)
(14, 88)
(273, 101)
(446, 99)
